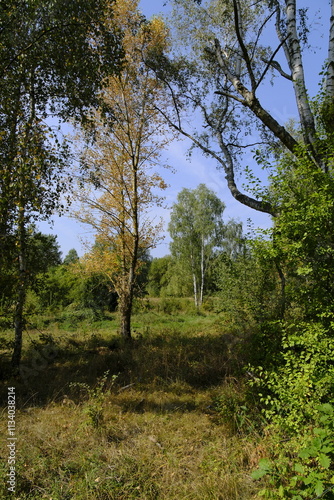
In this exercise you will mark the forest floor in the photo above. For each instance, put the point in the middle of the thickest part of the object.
(162, 418)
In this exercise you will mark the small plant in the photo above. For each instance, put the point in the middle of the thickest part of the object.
(96, 397)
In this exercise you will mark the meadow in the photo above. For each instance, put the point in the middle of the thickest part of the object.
(166, 416)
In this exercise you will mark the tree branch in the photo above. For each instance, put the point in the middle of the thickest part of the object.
(242, 45)
(251, 102)
(275, 65)
(261, 206)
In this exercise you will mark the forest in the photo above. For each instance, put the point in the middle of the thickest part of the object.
(205, 374)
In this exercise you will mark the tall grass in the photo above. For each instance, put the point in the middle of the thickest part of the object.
(101, 419)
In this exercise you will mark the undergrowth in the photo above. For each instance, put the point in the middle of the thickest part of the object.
(166, 417)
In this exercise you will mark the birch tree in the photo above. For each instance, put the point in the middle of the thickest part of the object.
(197, 229)
(222, 63)
(120, 185)
(53, 56)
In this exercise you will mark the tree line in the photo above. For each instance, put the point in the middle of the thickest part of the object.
(200, 240)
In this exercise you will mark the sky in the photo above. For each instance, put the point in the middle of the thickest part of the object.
(189, 174)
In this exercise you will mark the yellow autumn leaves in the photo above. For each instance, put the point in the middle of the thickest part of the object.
(121, 186)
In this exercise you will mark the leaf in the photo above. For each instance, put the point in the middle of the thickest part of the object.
(257, 474)
(319, 488)
(264, 468)
(299, 468)
(320, 432)
(324, 461)
(326, 408)
(264, 463)
(304, 271)
(281, 491)
(305, 453)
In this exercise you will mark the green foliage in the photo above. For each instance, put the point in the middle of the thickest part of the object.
(166, 278)
(236, 407)
(97, 294)
(56, 36)
(296, 385)
(54, 56)
(158, 275)
(303, 379)
(71, 258)
(302, 468)
(62, 287)
(42, 253)
(303, 236)
(59, 288)
(301, 376)
(169, 305)
(248, 285)
(197, 231)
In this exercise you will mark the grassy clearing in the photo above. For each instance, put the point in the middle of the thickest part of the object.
(98, 419)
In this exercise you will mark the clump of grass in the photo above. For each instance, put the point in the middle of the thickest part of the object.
(237, 409)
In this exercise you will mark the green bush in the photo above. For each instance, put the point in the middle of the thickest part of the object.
(302, 468)
(302, 380)
(71, 318)
(169, 305)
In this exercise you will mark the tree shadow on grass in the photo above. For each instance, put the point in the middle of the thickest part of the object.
(49, 366)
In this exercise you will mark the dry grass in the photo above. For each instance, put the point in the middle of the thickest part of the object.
(151, 433)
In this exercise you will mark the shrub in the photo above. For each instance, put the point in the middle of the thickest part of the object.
(303, 466)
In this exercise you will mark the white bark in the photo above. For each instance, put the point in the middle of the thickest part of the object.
(249, 99)
(193, 269)
(202, 272)
(195, 290)
(329, 86)
(297, 72)
(225, 160)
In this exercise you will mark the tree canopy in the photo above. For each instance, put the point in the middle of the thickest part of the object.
(218, 70)
(120, 185)
(54, 56)
(197, 230)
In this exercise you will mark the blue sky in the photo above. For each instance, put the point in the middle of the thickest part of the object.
(278, 100)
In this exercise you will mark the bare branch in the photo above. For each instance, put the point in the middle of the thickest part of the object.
(242, 45)
(259, 32)
(275, 65)
(227, 165)
(251, 102)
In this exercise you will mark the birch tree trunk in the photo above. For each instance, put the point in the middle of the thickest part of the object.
(195, 284)
(329, 88)
(202, 271)
(22, 291)
(227, 55)
(295, 62)
(195, 289)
